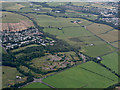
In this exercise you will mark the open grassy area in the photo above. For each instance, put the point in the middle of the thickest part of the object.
(115, 44)
(98, 50)
(77, 77)
(45, 21)
(80, 37)
(8, 17)
(110, 36)
(15, 7)
(98, 28)
(80, 3)
(56, 3)
(9, 76)
(111, 61)
(68, 32)
(22, 48)
(36, 85)
(6, 5)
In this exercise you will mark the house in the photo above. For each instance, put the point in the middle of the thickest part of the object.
(99, 58)
(57, 11)
(18, 77)
(60, 28)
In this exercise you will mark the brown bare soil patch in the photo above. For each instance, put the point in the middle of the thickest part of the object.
(22, 25)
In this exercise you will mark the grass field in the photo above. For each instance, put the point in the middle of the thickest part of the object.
(9, 76)
(99, 49)
(8, 17)
(110, 36)
(36, 85)
(22, 48)
(56, 3)
(77, 77)
(100, 5)
(6, 5)
(98, 28)
(15, 7)
(111, 61)
(115, 44)
(68, 32)
(79, 37)
(45, 21)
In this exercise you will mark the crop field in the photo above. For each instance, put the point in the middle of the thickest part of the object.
(115, 44)
(14, 22)
(111, 36)
(22, 25)
(9, 76)
(8, 17)
(78, 77)
(15, 7)
(111, 61)
(6, 5)
(98, 28)
(36, 85)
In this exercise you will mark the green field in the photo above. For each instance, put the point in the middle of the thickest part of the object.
(45, 21)
(8, 17)
(56, 3)
(6, 5)
(36, 85)
(77, 77)
(98, 28)
(68, 32)
(79, 37)
(9, 76)
(110, 36)
(115, 44)
(99, 49)
(22, 48)
(111, 61)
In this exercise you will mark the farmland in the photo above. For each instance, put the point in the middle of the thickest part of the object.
(111, 36)
(59, 45)
(15, 22)
(80, 37)
(8, 17)
(9, 76)
(45, 21)
(98, 28)
(78, 77)
(111, 60)
(22, 48)
(36, 85)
